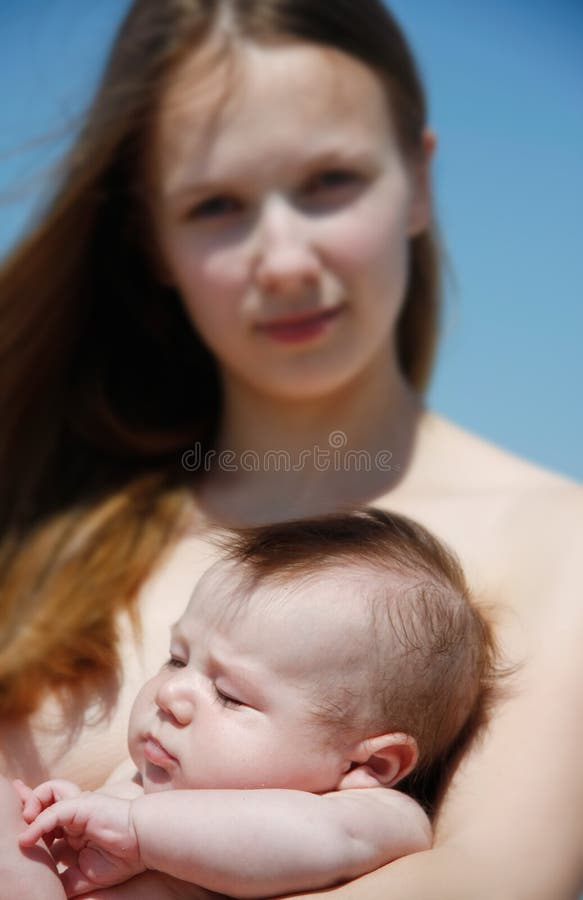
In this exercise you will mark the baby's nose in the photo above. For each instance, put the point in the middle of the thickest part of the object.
(175, 697)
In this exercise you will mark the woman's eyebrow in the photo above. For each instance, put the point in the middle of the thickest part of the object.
(340, 155)
(191, 188)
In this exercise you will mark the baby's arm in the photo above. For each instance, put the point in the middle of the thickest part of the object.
(261, 843)
(242, 843)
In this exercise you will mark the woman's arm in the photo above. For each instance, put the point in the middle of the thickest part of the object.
(511, 825)
(152, 886)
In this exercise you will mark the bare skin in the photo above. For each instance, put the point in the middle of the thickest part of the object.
(515, 530)
(35, 866)
(510, 523)
(518, 796)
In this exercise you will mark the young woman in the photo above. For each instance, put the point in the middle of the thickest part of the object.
(228, 315)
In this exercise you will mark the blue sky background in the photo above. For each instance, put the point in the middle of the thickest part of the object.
(505, 82)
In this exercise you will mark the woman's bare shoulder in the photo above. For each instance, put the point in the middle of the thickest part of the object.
(516, 526)
(537, 501)
(466, 461)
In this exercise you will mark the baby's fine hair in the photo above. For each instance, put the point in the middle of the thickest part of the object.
(433, 670)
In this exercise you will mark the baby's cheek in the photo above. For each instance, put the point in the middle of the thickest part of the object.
(142, 706)
(133, 745)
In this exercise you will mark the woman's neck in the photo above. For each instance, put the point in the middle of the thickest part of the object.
(278, 458)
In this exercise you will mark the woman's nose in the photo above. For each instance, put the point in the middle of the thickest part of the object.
(175, 697)
(286, 261)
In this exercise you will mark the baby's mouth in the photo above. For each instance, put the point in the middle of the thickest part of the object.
(156, 753)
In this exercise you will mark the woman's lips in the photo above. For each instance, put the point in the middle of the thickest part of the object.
(156, 753)
(293, 329)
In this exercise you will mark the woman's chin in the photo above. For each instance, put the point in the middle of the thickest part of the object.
(306, 383)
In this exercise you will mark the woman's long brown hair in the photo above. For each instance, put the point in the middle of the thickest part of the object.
(103, 382)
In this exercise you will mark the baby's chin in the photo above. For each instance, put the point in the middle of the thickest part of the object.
(156, 779)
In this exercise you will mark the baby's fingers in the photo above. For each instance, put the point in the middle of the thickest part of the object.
(45, 794)
(61, 816)
(33, 833)
(31, 805)
(57, 789)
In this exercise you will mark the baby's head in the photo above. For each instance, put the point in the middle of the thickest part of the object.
(329, 653)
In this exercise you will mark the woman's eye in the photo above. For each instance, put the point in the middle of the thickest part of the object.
(332, 180)
(214, 207)
(227, 700)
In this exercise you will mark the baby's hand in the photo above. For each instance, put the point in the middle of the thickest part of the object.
(34, 800)
(100, 829)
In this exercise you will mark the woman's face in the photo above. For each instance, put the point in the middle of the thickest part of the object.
(283, 210)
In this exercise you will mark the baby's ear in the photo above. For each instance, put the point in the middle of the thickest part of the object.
(380, 761)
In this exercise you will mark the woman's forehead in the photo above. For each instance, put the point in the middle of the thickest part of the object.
(216, 101)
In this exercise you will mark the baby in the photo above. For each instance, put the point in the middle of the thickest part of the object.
(318, 663)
